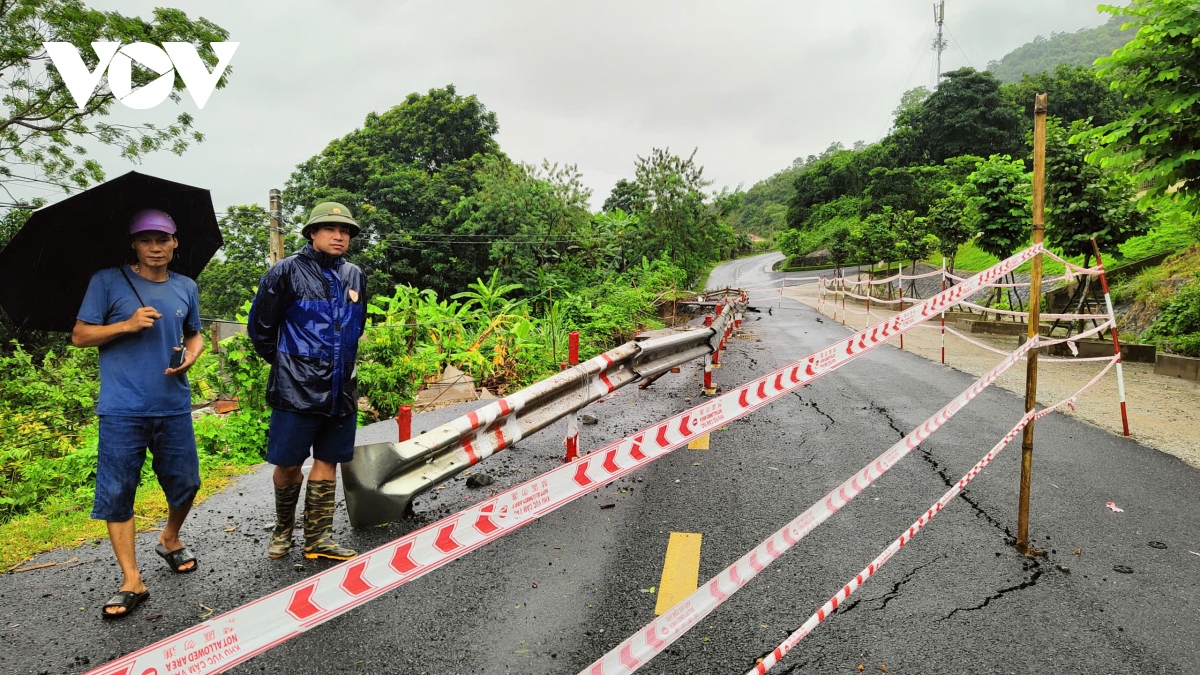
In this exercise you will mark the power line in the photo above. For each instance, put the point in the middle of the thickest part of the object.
(960, 49)
(967, 37)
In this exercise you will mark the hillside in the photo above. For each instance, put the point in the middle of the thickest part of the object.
(764, 206)
(1080, 48)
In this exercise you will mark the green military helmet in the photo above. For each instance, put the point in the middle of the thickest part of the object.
(329, 212)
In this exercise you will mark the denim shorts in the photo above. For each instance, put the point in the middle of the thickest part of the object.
(292, 434)
(122, 451)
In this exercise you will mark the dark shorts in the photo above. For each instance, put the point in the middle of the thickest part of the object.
(293, 434)
(122, 451)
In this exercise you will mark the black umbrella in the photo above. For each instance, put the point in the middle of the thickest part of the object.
(45, 269)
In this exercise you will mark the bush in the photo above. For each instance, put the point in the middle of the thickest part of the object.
(1184, 345)
(48, 436)
(1178, 324)
(503, 343)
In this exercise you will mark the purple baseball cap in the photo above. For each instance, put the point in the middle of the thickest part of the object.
(151, 220)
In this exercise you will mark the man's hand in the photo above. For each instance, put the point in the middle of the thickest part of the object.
(188, 359)
(194, 344)
(142, 319)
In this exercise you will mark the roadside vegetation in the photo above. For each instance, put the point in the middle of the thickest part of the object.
(953, 178)
(481, 262)
(473, 260)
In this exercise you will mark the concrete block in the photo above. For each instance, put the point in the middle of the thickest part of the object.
(1177, 366)
(992, 327)
(1130, 353)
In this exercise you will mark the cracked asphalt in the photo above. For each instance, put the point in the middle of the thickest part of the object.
(956, 599)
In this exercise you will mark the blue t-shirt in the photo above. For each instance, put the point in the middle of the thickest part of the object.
(132, 382)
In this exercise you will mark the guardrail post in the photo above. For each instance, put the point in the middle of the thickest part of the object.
(404, 423)
(572, 438)
(709, 389)
(573, 348)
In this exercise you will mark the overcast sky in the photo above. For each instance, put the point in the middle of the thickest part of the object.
(752, 84)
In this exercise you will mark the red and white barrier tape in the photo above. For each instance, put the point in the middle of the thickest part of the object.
(1009, 312)
(774, 285)
(832, 604)
(654, 637)
(251, 629)
(1042, 343)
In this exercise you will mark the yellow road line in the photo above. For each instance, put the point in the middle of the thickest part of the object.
(699, 443)
(681, 570)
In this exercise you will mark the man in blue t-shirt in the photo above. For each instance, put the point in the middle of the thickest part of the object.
(146, 322)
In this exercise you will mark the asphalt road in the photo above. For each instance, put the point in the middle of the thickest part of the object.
(957, 599)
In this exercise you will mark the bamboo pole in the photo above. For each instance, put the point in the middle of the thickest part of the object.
(1040, 106)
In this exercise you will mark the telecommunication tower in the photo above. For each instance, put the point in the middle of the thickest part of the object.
(939, 44)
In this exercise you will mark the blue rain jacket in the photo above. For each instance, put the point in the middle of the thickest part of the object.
(306, 319)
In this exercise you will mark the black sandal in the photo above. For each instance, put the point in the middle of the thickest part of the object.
(177, 558)
(127, 599)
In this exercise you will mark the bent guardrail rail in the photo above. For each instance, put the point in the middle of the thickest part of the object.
(383, 478)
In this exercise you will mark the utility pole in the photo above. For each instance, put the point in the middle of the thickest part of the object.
(939, 45)
(276, 240)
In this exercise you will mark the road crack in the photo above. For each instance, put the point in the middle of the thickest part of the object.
(963, 494)
(888, 417)
(1027, 583)
(892, 594)
(812, 403)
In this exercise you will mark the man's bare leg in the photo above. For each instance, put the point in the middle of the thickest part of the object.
(169, 537)
(121, 535)
(322, 471)
(287, 475)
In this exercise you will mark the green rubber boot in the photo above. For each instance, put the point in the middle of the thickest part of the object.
(318, 523)
(285, 520)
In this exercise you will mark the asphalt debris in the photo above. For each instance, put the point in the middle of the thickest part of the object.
(478, 480)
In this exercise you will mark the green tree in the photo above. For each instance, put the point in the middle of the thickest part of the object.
(913, 239)
(677, 216)
(533, 218)
(1082, 200)
(41, 129)
(1000, 191)
(841, 246)
(835, 173)
(876, 241)
(230, 279)
(906, 188)
(1075, 93)
(625, 197)
(950, 221)
(402, 173)
(967, 115)
(1159, 142)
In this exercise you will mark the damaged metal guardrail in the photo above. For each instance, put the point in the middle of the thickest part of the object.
(384, 478)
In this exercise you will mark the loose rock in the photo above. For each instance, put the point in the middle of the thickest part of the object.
(478, 480)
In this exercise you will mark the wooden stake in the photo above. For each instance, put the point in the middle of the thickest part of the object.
(1040, 106)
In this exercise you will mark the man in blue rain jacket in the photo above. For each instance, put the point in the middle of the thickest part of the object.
(305, 321)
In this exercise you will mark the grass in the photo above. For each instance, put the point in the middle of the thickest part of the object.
(971, 259)
(28, 535)
(1170, 234)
